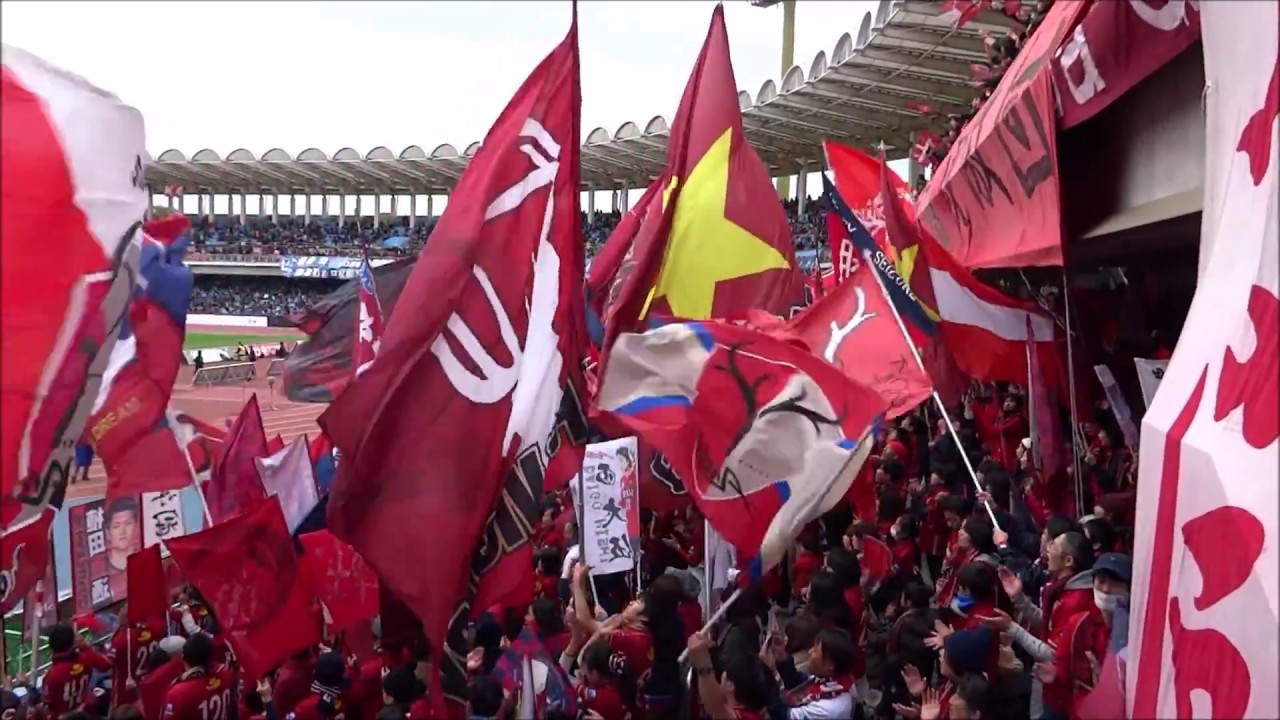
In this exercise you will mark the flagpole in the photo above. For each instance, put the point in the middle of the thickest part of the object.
(1071, 388)
(715, 618)
(942, 408)
(582, 538)
(195, 482)
(1031, 403)
(706, 568)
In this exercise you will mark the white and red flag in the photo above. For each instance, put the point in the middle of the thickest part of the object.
(1205, 554)
(72, 201)
(369, 323)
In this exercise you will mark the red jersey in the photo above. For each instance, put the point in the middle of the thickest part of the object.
(636, 644)
(201, 694)
(66, 685)
(321, 706)
(131, 645)
(605, 700)
(367, 690)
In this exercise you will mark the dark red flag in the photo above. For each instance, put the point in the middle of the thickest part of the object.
(236, 484)
(605, 265)
(275, 445)
(148, 591)
(444, 439)
(248, 572)
(344, 583)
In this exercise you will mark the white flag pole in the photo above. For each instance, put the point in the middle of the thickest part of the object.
(942, 408)
(195, 482)
(1071, 388)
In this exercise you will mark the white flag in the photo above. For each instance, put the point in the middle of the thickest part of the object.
(287, 475)
(1150, 373)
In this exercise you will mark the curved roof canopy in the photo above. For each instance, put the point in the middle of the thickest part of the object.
(862, 93)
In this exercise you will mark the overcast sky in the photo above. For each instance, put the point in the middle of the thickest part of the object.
(225, 75)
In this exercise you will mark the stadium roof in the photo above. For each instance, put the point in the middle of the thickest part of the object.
(862, 94)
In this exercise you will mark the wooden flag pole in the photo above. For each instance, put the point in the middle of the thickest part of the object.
(715, 617)
(195, 482)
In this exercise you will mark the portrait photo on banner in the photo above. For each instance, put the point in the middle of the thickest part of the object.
(104, 533)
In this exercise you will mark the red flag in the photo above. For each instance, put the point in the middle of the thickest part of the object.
(344, 583)
(246, 569)
(236, 484)
(276, 444)
(157, 460)
(24, 558)
(859, 178)
(364, 349)
(1046, 430)
(719, 243)
(605, 265)
(854, 329)
(876, 558)
(73, 198)
(147, 591)
(469, 380)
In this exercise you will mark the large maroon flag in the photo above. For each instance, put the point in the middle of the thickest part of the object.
(444, 438)
(605, 265)
(344, 583)
(247, 569)
(236, 484)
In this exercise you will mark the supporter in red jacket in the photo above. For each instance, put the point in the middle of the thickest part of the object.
(66, 685)
(204, 691)
(131, 645)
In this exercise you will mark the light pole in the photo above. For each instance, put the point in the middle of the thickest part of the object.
(788, 59)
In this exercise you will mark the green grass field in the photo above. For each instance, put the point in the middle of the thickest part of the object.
(198, 340)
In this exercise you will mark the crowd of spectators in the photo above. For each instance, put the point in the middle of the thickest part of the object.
(1001, 51)
(256, 296)
(219, 295)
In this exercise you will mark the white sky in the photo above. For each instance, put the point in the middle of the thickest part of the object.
(226, 75)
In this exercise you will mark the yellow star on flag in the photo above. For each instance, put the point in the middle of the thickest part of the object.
(704, 246)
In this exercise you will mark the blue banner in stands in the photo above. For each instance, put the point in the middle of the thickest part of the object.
(319, 266)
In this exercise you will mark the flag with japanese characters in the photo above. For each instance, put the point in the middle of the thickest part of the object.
(1205, 556)
(607, 494)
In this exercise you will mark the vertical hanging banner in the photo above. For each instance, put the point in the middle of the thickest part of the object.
(1119, 407)
(103, 536)
(611, 510)
(1150, 373)
(162, 517)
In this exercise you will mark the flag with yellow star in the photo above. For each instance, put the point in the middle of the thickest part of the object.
(719, 242)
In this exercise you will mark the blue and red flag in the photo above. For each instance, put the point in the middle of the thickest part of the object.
(136, 386)
(552, 689)
(323, 465)
(765, 435)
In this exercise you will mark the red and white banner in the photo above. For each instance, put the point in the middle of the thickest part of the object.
(994, 201)
(1117, 46)
(1205, 555)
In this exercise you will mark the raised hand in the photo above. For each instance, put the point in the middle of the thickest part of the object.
(1011, 582)
(1000, 622)
(915, 683)
(931, 705)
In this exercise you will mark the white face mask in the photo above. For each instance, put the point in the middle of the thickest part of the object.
(1106, 602)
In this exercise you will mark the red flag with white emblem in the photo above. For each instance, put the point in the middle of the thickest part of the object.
(71, 204)
(854, 329)
(445, 438)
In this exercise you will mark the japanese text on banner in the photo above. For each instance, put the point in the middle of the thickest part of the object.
(610, 502)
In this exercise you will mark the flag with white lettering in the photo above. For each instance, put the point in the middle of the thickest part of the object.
(471, 378)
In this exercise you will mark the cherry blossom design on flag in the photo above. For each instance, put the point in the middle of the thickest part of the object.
(1224, 543)
(1255, 140)
(1252, 383)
